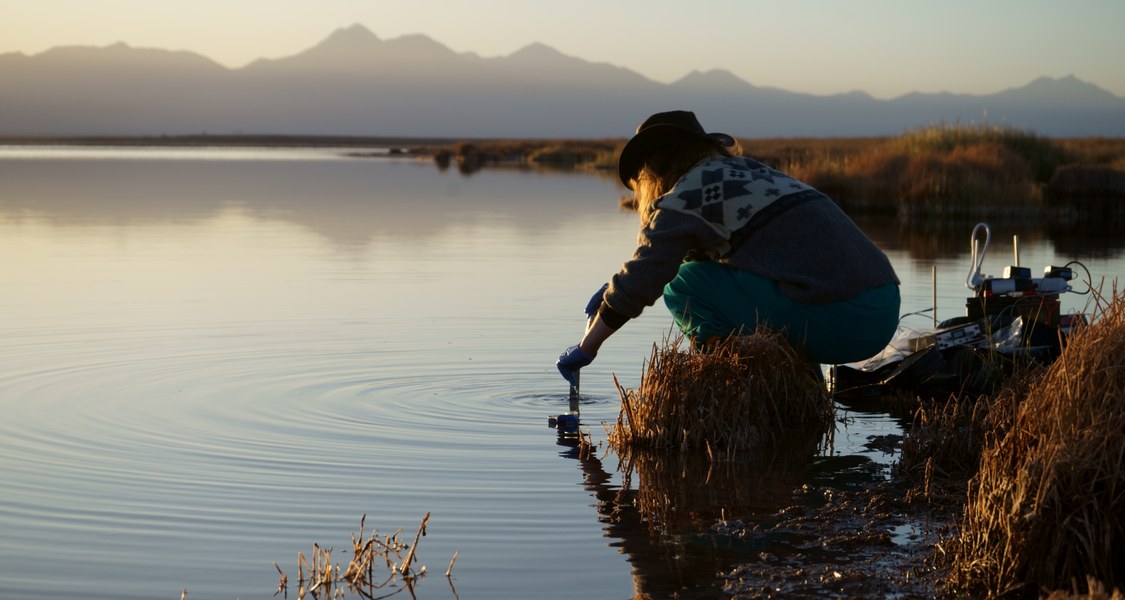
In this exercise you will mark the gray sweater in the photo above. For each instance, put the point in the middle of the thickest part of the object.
(745, 214)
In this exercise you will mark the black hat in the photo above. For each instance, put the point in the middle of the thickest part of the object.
(657, 130)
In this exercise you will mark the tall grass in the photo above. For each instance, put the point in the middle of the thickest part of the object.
(1096, 151)
(940, 171)
(1041, 154)
(945, 170)
(1047, 509)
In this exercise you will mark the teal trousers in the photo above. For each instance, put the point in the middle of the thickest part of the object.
(710, 299)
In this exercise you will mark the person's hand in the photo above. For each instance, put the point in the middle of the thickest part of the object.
(596, 301)
(571, 361)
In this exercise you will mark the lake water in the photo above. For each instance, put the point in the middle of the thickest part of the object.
(213, 358)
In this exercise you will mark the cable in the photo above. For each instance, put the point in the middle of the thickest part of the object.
(917, 312)
(1089, 277)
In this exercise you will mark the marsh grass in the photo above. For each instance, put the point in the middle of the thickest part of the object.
(941, 171)
(738, 395)
(960, 170)
(319, 577)
(1046, 509)
(944, 442)
(705, 421)
(1040, 154)
(1097, 151)
(471, 156)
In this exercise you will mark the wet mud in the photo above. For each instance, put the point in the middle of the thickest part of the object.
(795, 525)
(865, 543)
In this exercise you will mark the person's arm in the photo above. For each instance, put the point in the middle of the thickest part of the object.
(663, 243)
(597, 332)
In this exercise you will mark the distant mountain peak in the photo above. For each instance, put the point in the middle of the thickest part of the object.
(121, 54)
(540, 53)
(347, 39)
(854, 95)
(720, 80)
(1066, 90)
(343, 46)
(712, 77)
(1046, 81)
(355, 32)
(420, 45)
(537, 50)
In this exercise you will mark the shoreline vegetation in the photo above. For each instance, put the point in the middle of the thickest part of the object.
(922, 176)
(957, 172)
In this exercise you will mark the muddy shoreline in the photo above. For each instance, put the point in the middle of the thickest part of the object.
(872, 542)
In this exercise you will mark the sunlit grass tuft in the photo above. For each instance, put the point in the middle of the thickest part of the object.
(740, 394)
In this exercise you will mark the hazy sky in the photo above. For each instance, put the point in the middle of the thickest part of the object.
(884, 47)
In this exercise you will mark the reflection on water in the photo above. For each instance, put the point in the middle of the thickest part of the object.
(652, 523)
(210, 363)
(951, 239)
(178, 153)
(332, 196)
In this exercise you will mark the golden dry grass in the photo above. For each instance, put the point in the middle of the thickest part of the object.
(1104, 151)
(943, 170)
(938, 170)
(741, 394)
(319, 577)
(1047, 508)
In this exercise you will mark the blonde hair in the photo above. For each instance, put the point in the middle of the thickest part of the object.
(665, 166)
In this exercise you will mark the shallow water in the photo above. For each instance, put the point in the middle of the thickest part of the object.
(213, 359)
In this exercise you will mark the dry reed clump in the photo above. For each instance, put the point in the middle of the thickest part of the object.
(1041, 154)
(1105, 151)
(319, 577)
(982, 172)
(1047, 509)
(741, 393)
(939, 170)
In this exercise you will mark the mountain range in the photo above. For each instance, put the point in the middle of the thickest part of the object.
(354, 83)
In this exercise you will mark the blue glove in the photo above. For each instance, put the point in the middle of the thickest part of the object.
(571, 361)
(596, 301)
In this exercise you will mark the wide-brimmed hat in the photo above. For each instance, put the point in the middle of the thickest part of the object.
(658, 130)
